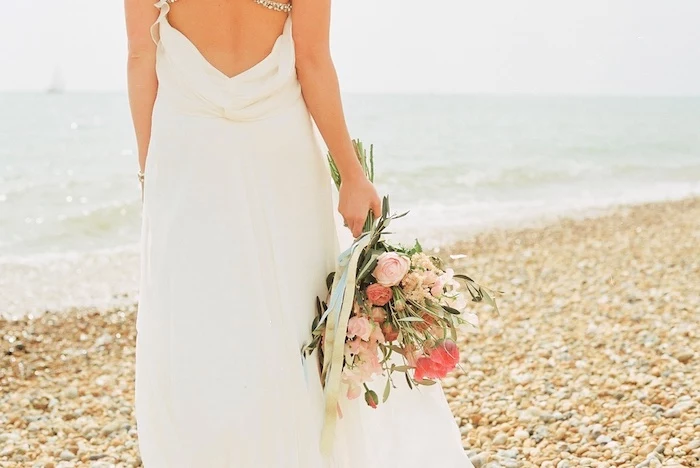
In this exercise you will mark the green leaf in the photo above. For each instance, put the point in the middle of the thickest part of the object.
(387, 390)
(411, 319)
(451, 310)
(408, 381)
(425, 382)
(464, 277)
(402, 368)
(329, 280)
(385, 207)
(399, 215)
(368, 267)
(417, 248)
(488, 299)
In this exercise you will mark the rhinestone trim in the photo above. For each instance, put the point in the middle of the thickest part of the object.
(275, 6)
(269, 4)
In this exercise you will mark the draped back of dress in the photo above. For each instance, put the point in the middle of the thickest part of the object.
(238, 237)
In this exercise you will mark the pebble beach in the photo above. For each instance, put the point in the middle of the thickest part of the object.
(594, 359)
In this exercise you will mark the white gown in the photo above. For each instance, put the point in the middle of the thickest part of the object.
(238, 237)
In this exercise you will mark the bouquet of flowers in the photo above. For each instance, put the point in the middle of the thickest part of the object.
(390, 310)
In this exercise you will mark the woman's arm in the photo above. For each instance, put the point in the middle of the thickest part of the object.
(319, 85)
(141, 70)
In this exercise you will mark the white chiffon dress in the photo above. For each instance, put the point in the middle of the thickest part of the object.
(238, 238)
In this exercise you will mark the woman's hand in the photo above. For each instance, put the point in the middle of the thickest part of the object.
(357, 196)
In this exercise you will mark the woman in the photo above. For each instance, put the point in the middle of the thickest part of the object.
(238, 237)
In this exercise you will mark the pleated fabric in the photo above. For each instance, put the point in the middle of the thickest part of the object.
(238, 237)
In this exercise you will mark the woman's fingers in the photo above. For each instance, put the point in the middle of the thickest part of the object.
(377, 207)
(356, 227)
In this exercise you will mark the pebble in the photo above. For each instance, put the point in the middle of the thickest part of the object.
(109, 428)
(510, 453)
(66, 455)
(479, 460)
(685, 356)
(587, 365)
(71, 392)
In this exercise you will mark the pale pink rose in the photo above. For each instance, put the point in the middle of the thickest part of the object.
(359, 326)
(391, 268)
(378, 295)
(378, 314)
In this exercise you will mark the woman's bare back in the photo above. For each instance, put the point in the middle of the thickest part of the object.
(232, 35)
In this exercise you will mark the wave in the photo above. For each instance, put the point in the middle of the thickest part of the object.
(102, 226)
(531, 175)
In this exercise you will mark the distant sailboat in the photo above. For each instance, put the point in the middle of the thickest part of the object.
(58, 83)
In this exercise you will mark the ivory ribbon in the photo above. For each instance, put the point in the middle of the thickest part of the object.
(338, 315)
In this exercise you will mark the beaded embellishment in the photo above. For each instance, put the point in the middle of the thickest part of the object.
(276, 6)
(269, 4)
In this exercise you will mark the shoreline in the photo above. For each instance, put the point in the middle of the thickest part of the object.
(593, 360)
(37, 283)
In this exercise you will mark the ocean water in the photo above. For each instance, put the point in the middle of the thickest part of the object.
(460, 164)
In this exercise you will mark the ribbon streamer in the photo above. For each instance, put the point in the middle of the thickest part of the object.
(337, 316)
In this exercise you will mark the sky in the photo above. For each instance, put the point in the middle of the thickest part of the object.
(638, 47)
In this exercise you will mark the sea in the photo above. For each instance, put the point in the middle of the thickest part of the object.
(460, 164)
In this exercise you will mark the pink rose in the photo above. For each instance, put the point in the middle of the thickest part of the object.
(446, 355)
(390, 333)
(378, 295)
(426, 368)
(378, 314)
(391, 268)
(359, 326)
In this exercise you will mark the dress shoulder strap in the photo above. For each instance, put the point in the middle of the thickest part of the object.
(164, 7)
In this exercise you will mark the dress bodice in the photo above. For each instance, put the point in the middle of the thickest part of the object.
(188, 79)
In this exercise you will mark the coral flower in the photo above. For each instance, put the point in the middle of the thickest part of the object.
(378, 295)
